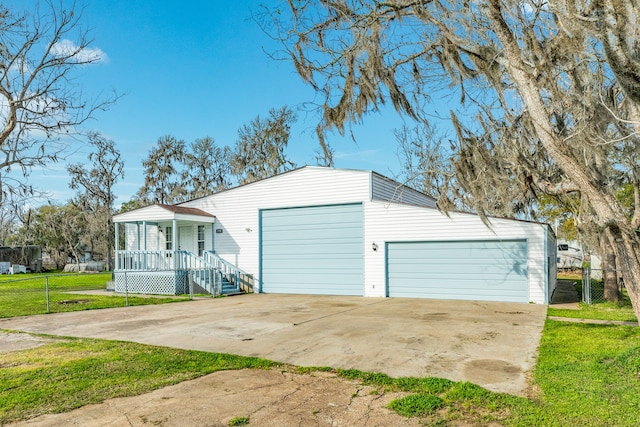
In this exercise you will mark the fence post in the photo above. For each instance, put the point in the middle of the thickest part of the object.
(214, 273)
(46, 279)
(586, 285)
(190, 279)
(126, 290)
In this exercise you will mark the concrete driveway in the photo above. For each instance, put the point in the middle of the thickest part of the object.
(487, 343)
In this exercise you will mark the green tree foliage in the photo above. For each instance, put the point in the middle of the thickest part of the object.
(176, 172)
(60, 231)
(561, 213)
(207, 168)
(163, 171)
(9, 221)
(130, 205)
(260, 150)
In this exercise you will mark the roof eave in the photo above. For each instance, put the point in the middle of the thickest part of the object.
(158, 213)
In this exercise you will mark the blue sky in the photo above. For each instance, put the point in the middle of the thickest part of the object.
(193, 69)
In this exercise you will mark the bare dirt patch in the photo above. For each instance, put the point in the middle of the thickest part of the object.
(491, 370)
(17, 341)
(73, 301)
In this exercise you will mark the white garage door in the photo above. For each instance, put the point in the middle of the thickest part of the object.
(489, 270)
(312, 250)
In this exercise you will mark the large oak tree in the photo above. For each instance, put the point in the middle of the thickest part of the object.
(554, 90)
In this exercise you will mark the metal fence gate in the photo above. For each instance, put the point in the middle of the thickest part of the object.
(593, 285)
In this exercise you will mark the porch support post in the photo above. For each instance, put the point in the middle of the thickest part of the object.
(138, 234)
(117, 244)
(144, 244)
(144, 235)
(174, 230)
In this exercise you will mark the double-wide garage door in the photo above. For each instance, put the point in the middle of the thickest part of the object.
(489, 270)
(312, 250)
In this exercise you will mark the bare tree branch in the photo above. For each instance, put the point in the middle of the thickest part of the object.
(40, 104)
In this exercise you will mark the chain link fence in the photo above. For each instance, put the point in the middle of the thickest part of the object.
(593, 287)
(22, 295)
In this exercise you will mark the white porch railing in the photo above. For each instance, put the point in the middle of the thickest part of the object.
(139, 260)
(235, 275)
(145, 260)
(210, 272)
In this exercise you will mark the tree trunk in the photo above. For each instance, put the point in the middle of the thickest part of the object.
(608, 266)
(609, 214)
(628, 253)
(110, 244)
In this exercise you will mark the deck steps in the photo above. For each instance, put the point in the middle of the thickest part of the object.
(204, 278)
(228, 288)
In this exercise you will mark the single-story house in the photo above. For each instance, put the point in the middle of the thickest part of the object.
(317, 230)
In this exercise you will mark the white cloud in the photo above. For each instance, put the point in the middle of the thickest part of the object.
(356, 154)
(66, 47)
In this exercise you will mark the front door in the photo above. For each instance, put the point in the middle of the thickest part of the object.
(185, 238)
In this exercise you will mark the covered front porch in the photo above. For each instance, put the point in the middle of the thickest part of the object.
(170, 250)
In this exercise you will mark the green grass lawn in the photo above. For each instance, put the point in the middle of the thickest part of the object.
(61, 376)
(587, 375)
(599, 311)
(24, 294)
(622, 311)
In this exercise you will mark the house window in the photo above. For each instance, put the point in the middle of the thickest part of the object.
(168, 234)
(200, 240)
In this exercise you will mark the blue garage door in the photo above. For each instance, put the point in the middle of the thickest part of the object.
(312, 250)
(466, 270)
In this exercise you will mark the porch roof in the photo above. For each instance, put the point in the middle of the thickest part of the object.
(159, 212)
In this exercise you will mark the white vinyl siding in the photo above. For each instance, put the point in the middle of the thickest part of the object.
(237, 210)
(159, 236)
(158, 214)
(237, 218)
(391, 222)
(551, 264)
(134, 236)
